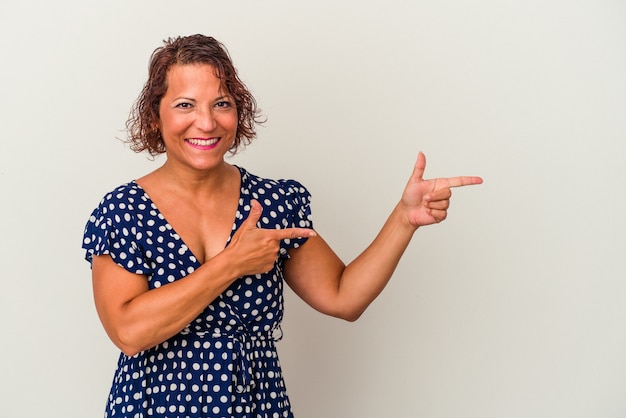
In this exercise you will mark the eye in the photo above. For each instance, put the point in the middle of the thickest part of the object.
(184, 105)
(223, 104)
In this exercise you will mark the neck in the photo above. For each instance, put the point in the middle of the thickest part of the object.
(193, 182)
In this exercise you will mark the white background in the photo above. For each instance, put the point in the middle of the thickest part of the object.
(513, 307)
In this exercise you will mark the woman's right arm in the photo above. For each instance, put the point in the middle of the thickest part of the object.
(137, 318)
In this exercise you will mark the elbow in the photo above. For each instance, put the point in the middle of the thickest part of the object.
(349, 315)
(342, 309)
(128, 351)
(126, 343)
(352, 318)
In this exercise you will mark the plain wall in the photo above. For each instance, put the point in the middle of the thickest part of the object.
(513, 307)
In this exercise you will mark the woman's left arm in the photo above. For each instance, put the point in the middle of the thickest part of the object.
(320, 278)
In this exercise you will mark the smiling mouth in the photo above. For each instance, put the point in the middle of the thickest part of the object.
(203, 142)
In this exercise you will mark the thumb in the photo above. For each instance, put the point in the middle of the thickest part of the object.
(253, 216)
(418, 169)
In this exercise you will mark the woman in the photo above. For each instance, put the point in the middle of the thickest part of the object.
(188, 262)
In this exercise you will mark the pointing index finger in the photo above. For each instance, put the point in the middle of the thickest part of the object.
(291, 233)
(463, 181)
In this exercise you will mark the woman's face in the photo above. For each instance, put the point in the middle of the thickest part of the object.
(198, 119)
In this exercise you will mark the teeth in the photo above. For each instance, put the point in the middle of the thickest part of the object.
(203, 142)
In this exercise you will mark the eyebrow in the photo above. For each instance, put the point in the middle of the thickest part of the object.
(216, 99)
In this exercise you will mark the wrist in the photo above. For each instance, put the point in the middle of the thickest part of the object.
(224, 269)
(403, 218)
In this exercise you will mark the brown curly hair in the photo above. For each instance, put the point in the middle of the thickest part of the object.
(143, 121)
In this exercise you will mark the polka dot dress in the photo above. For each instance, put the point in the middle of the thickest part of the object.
(224, 363)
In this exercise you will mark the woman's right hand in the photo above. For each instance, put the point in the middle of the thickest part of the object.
(256, 248)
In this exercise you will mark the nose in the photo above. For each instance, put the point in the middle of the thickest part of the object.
(205, 120)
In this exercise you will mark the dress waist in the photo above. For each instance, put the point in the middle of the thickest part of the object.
(243, 344)
(275, 334)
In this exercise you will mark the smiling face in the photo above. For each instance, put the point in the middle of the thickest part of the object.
(197, 118)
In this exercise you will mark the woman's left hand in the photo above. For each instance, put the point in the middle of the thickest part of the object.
(426, 201)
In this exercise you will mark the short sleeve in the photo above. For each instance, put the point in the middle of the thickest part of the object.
(111, 229)
(298, 205)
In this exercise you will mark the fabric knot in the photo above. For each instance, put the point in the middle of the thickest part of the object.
(243, 341)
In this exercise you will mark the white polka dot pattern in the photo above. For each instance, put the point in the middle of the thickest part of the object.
(224, 363)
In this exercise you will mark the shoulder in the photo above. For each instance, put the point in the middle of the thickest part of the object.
(286, 204)
(124, 197)
(261, 187)
(126, 192)
(123, 204)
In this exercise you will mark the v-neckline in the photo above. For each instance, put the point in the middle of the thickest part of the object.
(234, 225)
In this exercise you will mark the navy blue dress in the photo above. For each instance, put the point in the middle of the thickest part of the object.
(224, 363)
